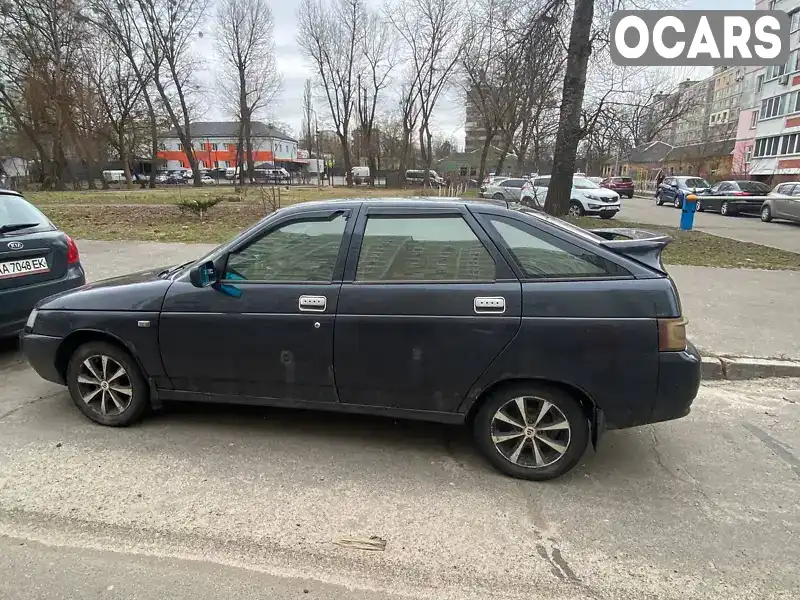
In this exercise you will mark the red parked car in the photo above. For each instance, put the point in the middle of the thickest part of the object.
(622, 185)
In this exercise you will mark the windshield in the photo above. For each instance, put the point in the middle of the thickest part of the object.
(17, 211)
(582, 183)
(696, 183)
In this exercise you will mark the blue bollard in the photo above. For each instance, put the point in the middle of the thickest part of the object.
(687, 211)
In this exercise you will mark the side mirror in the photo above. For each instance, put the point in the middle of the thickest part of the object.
(203, 275)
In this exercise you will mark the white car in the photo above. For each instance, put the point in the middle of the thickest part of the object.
(587, 198)
(208, 180)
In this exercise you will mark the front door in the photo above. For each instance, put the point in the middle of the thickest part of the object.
(274, 338)
(426, 305)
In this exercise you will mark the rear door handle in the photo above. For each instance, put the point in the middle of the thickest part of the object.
(313, 303)
(490, 304)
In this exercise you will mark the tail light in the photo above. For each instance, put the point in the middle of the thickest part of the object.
(672, 334)
(740, 193)
(73, 256)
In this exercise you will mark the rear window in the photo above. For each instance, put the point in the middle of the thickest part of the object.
(752, 186)
(16, 211)
(693, 182)
(625, 179)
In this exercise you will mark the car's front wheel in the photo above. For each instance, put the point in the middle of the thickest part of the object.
(766, 214)
(678, 202)
(106, 384)
(659, 199)
(725, 210)
(575, 209)
(532, 431)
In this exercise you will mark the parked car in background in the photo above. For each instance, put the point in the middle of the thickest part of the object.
(162, 177)
(492, 178)
(783, 202)
(114, 176)
(231, 172)
(175, 179)
(506, 189)
(37, 260)
(208, 180)
(271, 175)
(674, 189)
(587, 198)
(360, 175)
(730, 198)
(416, 176)
(597, 180)
(622, 185)
(339, 286)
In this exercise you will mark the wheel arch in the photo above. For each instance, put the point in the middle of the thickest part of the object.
(80, 337)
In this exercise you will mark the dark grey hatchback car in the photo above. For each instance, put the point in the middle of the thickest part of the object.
(536, 333)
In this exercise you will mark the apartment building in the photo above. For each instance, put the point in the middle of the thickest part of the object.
(768, 137)
(215, 145)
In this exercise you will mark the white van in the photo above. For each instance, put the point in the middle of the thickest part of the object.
(114, 176)
(360, 175)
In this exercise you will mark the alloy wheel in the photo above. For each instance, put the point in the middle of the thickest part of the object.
(574, 210)
(766, 215)
(723, 209)
(104, 385)
(530, 432)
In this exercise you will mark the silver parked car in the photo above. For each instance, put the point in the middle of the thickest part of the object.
(783, 202)
(506, 189)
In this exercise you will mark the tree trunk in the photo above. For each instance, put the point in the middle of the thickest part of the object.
(346, 156)
(403, 164)
(503, 154)
(240, 154)
(123, 156)
(568, 136)
(151, 115)
(484, 156)
(248, 143)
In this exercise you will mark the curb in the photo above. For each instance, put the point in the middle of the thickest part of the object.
(735, 369)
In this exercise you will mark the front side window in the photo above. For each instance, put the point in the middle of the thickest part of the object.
(541, 256)
(422, 249)
(300, 251)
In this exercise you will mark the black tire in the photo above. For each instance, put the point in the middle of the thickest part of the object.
(498, 196)
(678, 202)
(700, 207)
(725, 210)
(576, 440)
(659, 200)
(140, 394)
(575, 209)
(766, 213)
(630, 196)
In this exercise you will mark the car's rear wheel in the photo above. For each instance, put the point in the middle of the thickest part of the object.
(630, 195)
(532, 431)
(766, 214)
(575, 209)
(106, 384)
(498, 196)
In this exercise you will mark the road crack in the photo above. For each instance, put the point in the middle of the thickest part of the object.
(27, 404)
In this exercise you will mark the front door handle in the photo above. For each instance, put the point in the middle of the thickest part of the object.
(490, 304)
(313, 303)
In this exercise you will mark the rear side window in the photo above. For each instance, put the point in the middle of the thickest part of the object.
(17, 211)
(625, 179)
(542, 182)
(422, 249)
(513, 183)
(753, 186)
(542, 256)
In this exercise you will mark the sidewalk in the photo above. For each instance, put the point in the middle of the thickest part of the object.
(737, 312)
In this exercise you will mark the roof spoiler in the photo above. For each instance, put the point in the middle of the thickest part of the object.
(638, 244)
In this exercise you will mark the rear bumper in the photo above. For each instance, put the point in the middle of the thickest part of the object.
(678, 384)
(40, 351)
(16, 303)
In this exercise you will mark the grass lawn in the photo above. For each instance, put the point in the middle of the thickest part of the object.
(155, 217)
(175, 193)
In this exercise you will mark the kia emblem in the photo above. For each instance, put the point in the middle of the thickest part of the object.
(15, 245)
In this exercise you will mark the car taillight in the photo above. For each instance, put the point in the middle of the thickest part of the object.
(73, 255)
(672, 334)
(740, 194)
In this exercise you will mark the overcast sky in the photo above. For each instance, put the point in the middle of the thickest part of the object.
(449, 116)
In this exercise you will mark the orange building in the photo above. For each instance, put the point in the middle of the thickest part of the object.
(215, 145)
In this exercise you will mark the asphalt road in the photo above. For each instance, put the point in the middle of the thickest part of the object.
(224, 502)
(744, 227)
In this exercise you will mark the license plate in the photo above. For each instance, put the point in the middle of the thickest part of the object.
(19, 268)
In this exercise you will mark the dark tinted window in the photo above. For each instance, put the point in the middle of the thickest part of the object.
(542, 256)
(422, 249)
(513, 183)
(15, 210)
(753, 186)
(625, 179)
(541, 182)
(299, 251)
(693, 182)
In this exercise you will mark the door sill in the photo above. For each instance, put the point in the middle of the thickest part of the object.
(363, 409)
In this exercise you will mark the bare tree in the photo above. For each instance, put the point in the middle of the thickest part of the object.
(332, 39)
(432, 31)
(409, 109)
(166, 29)
(249, 76)
(308, 109)
(378, 63)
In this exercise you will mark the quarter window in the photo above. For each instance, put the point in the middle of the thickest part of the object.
(301, 251)
(422, 249)
(542, 256)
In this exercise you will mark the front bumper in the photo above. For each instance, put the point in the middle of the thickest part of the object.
(40, 351)
(599, 208)
(16, 303)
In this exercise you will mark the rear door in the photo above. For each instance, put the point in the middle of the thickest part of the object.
(512, 189)
(426, 304)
